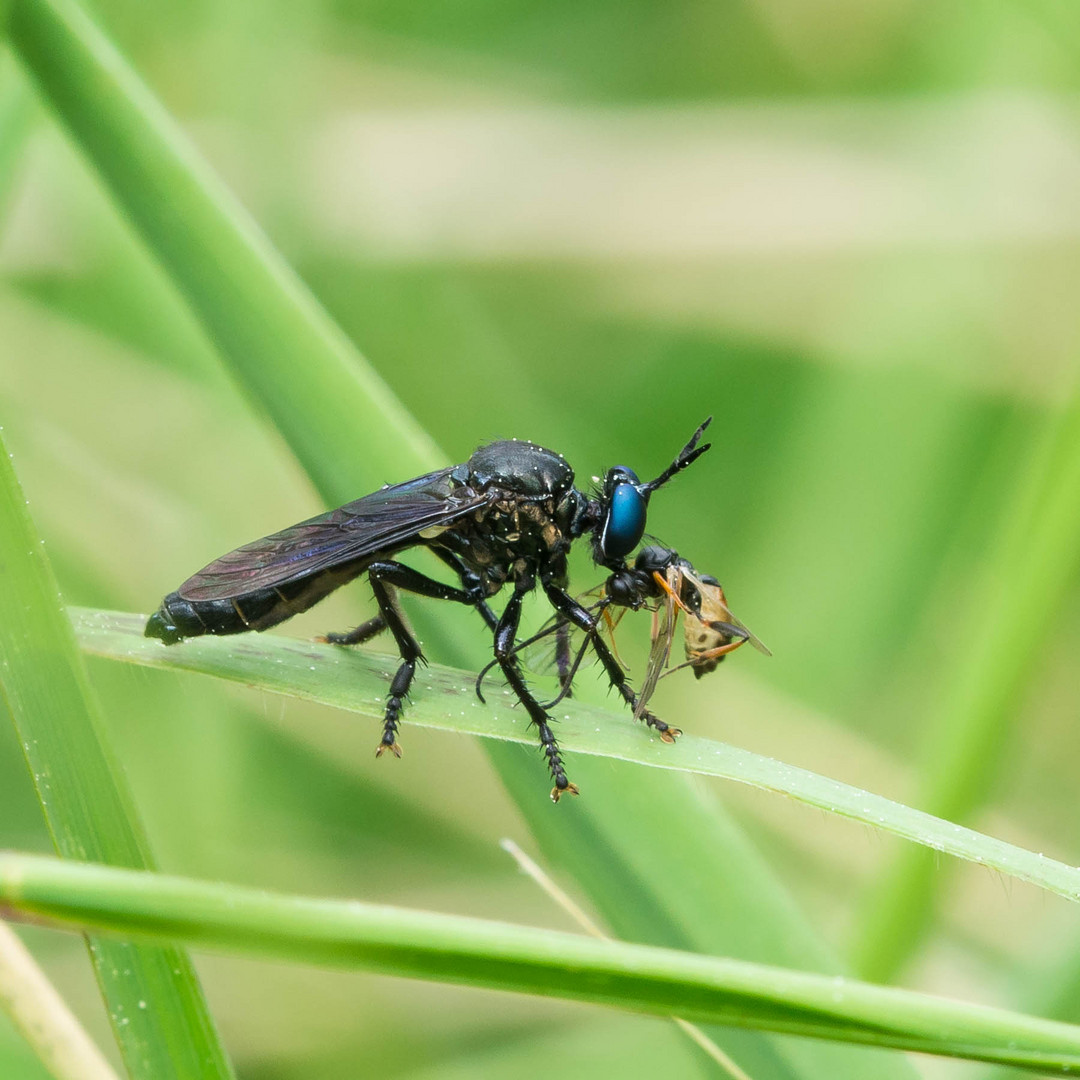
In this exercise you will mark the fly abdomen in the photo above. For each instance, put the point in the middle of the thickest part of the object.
(178, 618)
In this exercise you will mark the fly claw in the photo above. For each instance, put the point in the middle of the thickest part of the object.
(557, 793)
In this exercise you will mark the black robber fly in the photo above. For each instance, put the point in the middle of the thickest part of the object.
(507, 516)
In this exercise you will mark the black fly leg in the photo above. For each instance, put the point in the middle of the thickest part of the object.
(471, 585)
(505, 633)
(571, 672)
(364, 632)
(571, 610)
(519, 648)
(562, 659)
(385, 578)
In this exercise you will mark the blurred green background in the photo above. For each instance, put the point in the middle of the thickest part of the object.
(851, 232)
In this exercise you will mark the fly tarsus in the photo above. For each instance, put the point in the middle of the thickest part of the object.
(506, 657)
(386, 578)
(666, 732)
(395, 701)
(359, 634)
(558, 792)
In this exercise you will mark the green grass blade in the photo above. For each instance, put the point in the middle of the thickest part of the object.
(17, 114)
(1026, 583)
(152, 993)
(285, 350)
(503, 956)
(356, 681)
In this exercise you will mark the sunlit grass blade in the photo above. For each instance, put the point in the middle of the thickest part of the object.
(153, 996)
(1025, 584)
(356, 680)
(503, 956)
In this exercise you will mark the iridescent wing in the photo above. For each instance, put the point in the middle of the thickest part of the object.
(392, 518)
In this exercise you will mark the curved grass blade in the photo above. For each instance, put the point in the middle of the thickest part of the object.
(544, 881)
(356, 681)
(152, 994)
(478, 952)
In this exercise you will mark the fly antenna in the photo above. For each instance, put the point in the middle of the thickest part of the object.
(687, 456)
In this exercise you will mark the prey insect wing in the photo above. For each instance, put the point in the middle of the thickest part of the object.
(573, 643)
(663, 632)
(545, 652)
(714, 610)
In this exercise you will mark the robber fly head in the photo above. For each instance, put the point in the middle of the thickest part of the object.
(623, 502)
(620, 509)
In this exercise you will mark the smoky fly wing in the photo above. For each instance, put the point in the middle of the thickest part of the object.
(385, 521)
(263, 583)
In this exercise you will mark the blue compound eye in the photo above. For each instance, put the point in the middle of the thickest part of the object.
(625, 520)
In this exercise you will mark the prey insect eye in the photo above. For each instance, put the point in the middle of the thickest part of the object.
(624, 524)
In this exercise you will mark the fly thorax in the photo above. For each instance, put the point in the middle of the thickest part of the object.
(575, 515)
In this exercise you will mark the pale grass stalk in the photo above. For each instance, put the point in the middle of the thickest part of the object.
(42, 1017)
(534, 870)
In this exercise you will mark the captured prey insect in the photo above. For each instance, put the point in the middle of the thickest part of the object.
(507, 516)
(667, 584)
(710, 631)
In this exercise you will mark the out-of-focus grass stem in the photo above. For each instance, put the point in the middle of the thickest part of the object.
(1013, 611)
(153, 996)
